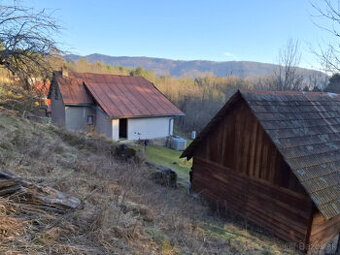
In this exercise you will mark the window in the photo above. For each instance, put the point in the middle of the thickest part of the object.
(90, 119)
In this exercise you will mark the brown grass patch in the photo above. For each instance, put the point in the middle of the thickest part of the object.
(123, 211)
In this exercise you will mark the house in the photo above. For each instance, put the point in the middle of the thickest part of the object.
(120, 107)
(42, 87)
(274, 158)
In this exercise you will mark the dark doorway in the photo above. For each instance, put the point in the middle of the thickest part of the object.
(123, 128)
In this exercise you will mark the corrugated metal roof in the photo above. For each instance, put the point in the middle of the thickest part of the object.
(42, 87)
(72, 89)
(305, 128)
(119, 96)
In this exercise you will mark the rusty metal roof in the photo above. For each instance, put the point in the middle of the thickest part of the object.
(72, 89)
(119, 96)
(305, 127)
(42, 87)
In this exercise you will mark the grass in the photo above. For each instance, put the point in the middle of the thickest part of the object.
(164, 156)
(171, 158)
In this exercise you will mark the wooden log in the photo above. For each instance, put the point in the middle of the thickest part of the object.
(5, 183)
(10, 190)
(22, 191)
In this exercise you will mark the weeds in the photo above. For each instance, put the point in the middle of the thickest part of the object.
(122, 212)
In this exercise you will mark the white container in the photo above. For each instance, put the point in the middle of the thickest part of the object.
(193, 135)
(178, 143)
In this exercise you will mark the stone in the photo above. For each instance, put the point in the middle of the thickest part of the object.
(125, 152)
(165, 176)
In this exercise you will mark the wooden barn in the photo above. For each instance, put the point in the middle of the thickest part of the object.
(274, 158)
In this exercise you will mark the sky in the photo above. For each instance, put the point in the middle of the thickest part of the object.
(219, 30)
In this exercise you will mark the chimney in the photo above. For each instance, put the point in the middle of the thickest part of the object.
(64, 72)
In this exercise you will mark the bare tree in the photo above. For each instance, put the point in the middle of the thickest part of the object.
(26, 39)
(329, 11)
(264, 83)
(317, 81)
(287, 76)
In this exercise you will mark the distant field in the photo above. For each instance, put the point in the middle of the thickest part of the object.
(170, 158)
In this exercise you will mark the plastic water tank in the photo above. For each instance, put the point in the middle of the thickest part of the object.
(178, 143)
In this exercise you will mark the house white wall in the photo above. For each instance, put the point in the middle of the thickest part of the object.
(76, 117)
(115, 129)
(149, 128)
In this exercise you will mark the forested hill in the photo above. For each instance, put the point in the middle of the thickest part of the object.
(193, 68)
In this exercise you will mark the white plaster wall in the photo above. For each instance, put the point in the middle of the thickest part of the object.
(76, 117)
(115, 129)
(103, 123)
(149, 128)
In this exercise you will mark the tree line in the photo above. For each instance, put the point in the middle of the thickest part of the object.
(200, 98)
(28, 49)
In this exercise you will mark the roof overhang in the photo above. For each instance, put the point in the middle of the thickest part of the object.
(80, 105)
(146, 116)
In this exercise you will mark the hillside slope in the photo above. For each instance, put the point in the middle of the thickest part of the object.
(122, 212)
(162, 66)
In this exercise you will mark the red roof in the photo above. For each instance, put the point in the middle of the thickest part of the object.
(42, 87)
(72, 89)
(119, 96)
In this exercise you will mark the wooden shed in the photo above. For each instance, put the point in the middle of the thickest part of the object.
(274, 158)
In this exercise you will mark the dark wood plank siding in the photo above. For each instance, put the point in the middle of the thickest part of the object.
(284, 212)
(239, 167)
(240, 143)
(324, 230)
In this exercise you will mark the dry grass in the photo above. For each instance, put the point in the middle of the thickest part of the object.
(123, 211)
(10, 227)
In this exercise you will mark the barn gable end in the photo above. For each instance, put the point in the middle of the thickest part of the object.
(264, 151)
(239, 142)
(232, 167)
(305, 128)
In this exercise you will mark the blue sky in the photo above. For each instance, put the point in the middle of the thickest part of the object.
(218, 30)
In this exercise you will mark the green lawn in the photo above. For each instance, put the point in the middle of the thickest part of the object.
(170, 158)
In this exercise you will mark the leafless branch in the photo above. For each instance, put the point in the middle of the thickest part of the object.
(26, 39)
(328, 11)
(287, 76)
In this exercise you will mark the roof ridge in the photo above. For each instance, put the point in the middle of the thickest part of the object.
(106, 74)
(286, 92)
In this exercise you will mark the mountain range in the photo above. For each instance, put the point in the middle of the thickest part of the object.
(192, 68)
